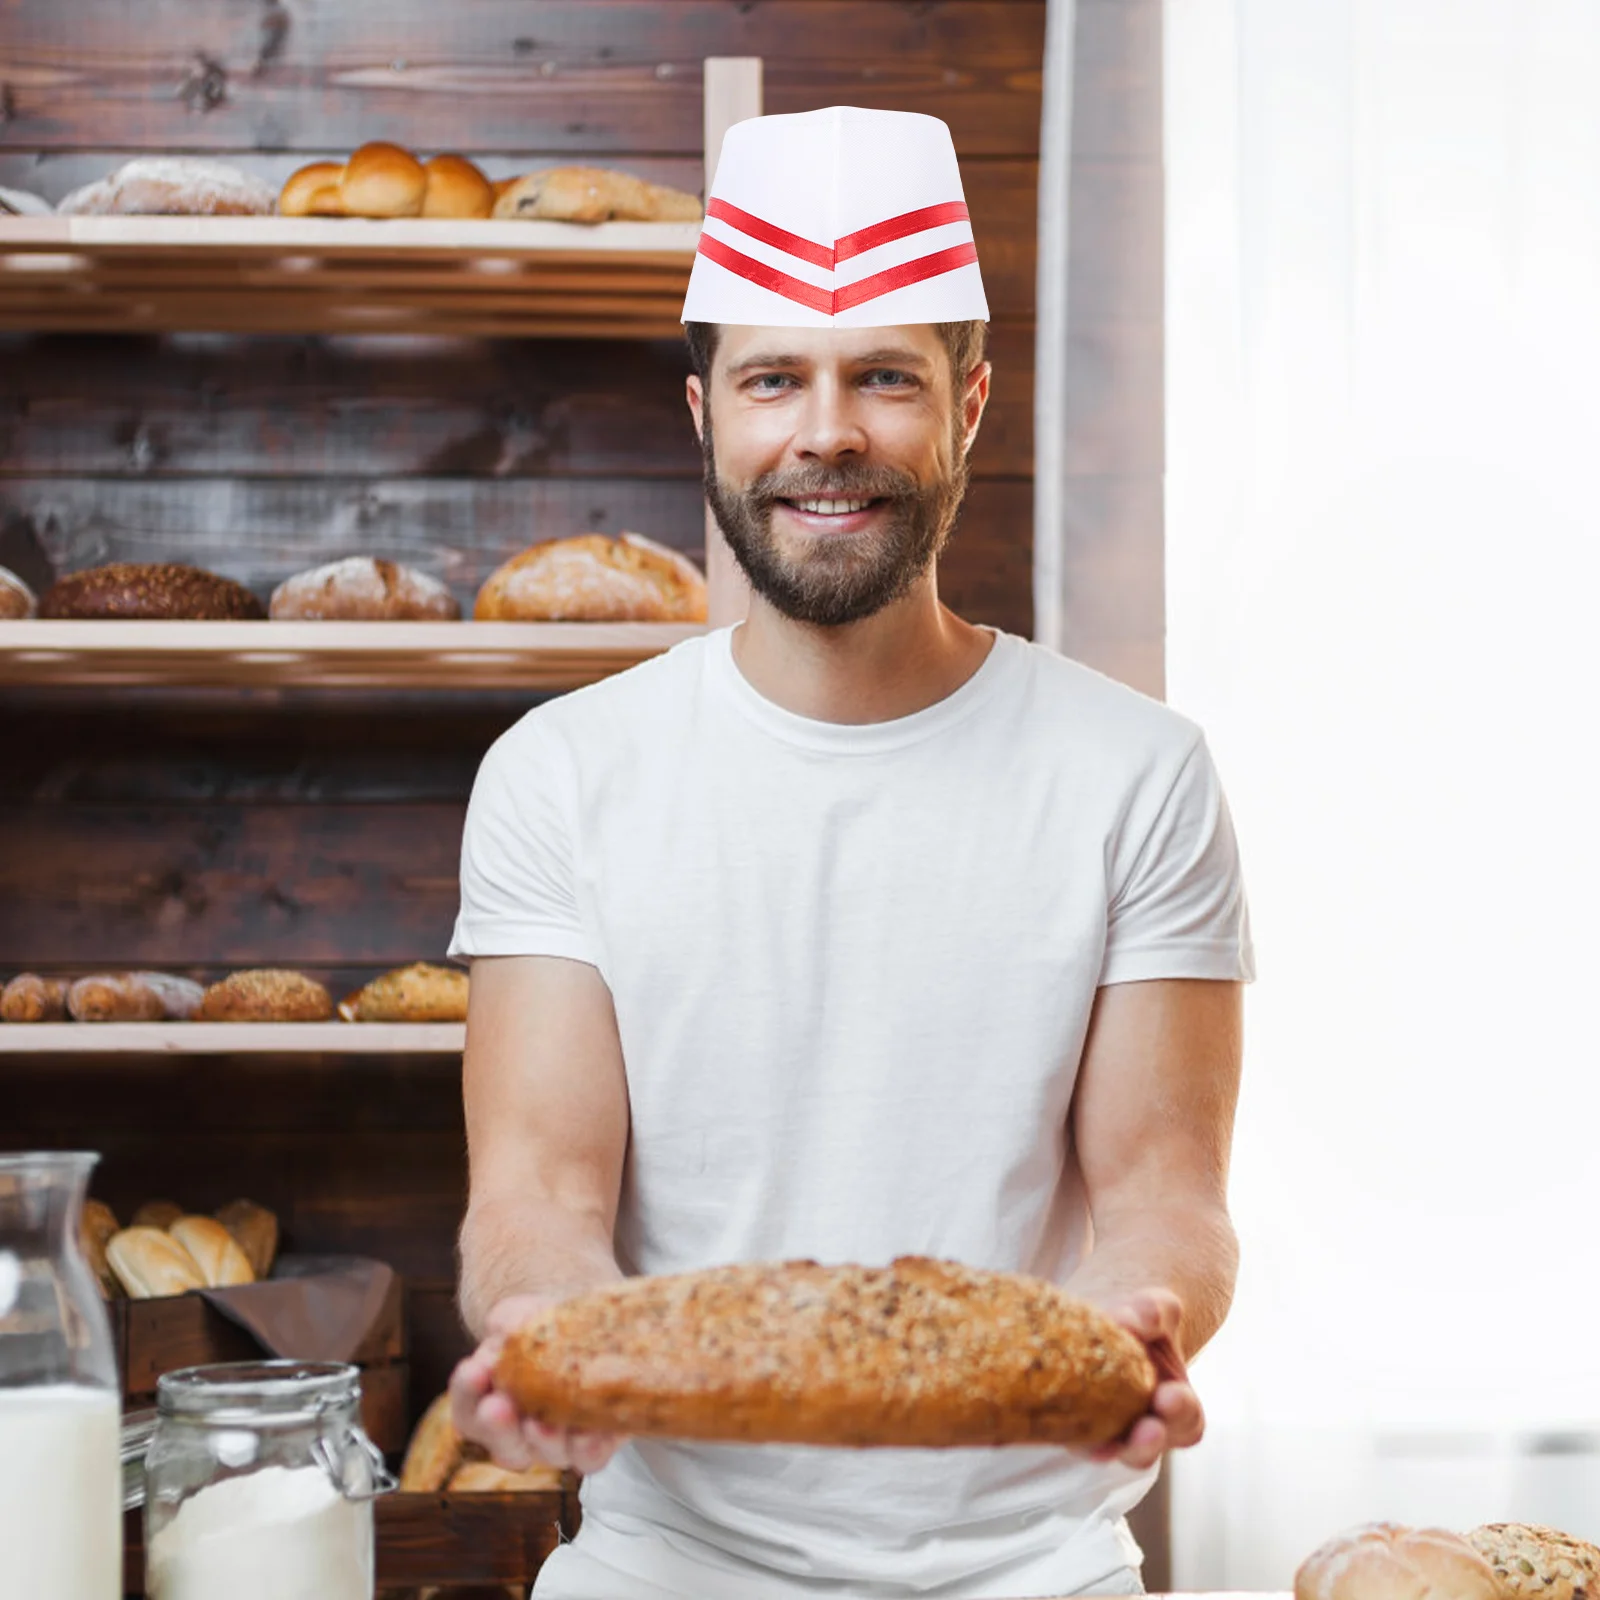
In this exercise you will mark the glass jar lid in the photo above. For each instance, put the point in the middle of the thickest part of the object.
(259, 1394)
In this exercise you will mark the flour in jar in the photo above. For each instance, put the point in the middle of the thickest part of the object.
(283, 1533)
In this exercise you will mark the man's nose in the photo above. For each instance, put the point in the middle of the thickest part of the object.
(829, 426)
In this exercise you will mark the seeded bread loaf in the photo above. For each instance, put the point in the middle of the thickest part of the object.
(922, 1352)
(418, 993)
(1538, 1562)
(30, 998)
(151, 592)
(594, 578)
(363, 589)
(266, 995)
(1384, 1561)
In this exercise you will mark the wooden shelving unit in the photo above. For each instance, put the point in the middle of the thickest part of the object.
(615, 280)
(233, 1038)
(328, 655)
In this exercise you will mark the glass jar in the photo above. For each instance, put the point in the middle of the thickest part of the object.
(60, 1457)
(259, 1484)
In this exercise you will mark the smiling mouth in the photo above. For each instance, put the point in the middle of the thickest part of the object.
(830, 507)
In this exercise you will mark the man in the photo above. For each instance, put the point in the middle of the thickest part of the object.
(850, 932)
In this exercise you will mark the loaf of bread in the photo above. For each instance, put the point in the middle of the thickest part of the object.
(30, 998)
(922, 1352)
(179, 186)
(149, 1264)
(435, 1451)
(1384, 1561)
(216, 1252)
(418, 993)
(594, 578)
(133, 997)
(21, 203)
(150, 592)
(384, 180)
(592, 194)
(96, 1228)
(266, 995)
(1538, 1562)
(17, 600)
(255, 1230)
(158, 1214)
(484, 1477)
(363, 589)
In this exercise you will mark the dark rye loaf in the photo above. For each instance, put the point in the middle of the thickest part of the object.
(153, 592)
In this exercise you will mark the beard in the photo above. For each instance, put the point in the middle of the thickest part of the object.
(840, 578)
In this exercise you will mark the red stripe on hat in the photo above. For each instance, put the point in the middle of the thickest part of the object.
(864, 239)
(819, 255)
(901, 277)
(758, 272)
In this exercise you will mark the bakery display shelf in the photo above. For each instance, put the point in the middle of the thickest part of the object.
(334, 655)
(623, 280)
(232, 1038)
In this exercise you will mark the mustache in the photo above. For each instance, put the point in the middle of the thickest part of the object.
(865, 482)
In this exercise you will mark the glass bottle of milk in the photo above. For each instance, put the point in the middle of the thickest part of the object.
(60, 1468)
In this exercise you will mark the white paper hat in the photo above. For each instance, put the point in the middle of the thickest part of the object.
(842, 218)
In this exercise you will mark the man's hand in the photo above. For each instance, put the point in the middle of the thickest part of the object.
(489, 1416)
(1175, 1418)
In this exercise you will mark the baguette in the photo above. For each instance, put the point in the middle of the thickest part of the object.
(151, 1264)
(256, 1231)
(418, 993)
(216, 1252)
(30, 998)
(133, 997)
(922, 1352)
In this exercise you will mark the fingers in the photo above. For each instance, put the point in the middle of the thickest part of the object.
(1174, 1421)
(489, 1417)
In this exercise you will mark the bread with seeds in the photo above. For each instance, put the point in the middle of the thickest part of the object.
(1532, 1560)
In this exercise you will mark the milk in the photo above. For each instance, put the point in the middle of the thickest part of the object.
(60, 1494)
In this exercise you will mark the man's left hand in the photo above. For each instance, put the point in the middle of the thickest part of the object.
(1175, 1418)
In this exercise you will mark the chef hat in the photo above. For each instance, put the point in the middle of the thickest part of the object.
(842, 218)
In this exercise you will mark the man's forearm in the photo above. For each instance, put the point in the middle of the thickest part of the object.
(1192, 1252)
(532, 1247)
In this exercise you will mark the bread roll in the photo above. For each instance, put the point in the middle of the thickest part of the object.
(255, 1231)
(1383, 1561)
(150, 592)
(133, 997)
(266, 995)
(150, 1264)
(592, 194)
(922, 1352)
(484, 1477)
(96, 1228)
(593, 578)
(17, 600)
(216, 1252)
(363, 589)
(158, 1214)
(456, 188)
(435, 1450)
(181, 186)
(313, 191)
(418, 993)
(1541, 1563)
(382, 180)
(30, 998)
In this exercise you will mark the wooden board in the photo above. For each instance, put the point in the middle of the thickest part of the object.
(321, 1039)
(430, 655)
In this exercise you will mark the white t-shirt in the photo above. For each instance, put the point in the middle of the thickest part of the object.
(852, 968)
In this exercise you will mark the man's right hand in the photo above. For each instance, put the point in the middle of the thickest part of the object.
(489, 1416)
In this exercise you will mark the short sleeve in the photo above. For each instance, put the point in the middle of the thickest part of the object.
(518, 894)
(1178, 905)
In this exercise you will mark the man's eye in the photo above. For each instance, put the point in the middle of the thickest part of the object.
(770, 381)
(888, 378)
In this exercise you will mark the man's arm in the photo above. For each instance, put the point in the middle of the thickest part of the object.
(547, 1131)
(1152, 1120)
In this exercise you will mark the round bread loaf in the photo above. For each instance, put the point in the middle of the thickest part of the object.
(179, 186)
(456, 188)
(266, 994)
(363, 589)
(1542, 1563)
(31, 998)
(594, 578)
(382, 180)
(418, 993)
(17, 600)
(922, 1352)
(162, 591)
(1384, 1561)
(313, 191)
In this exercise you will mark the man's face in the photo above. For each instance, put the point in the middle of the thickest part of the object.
(837, 463)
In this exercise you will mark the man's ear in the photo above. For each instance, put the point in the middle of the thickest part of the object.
(974, 398)
(696, 398)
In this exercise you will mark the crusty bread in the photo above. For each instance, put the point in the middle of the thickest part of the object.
(30, 998)
(158, 1214)
(435, 1450)
(592, 194)
(133, 997)
(922, 1352)
(96, 1228)
(362, 589)
(266, 995)
(149, 1264)
(1384, 1561)
(594, 578)
(17, 600)
(255, 1230)
(313, 191)
(1541, 1563)
(382, 180)
(484, 1477)
(216, 1252)
(184, 186)
(150, 591)
(418, 993)
(456, 188)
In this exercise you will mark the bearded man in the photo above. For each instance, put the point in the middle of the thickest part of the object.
(853, 931)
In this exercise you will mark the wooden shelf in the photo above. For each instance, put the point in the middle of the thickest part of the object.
(613, 280)
(341, 655)
(232, 1038)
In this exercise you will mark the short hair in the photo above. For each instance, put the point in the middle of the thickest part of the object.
(964, 343)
